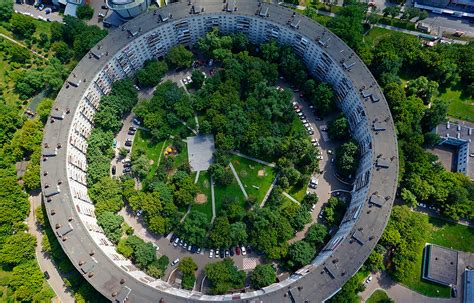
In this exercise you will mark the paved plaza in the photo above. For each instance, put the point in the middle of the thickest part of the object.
(200, 152)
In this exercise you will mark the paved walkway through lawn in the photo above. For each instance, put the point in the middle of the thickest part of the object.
(197, 177)
(253, 159)
(269, 190)
(213, 200)
(238, 180)
(291, 198)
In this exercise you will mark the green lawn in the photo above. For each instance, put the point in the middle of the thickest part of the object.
(230, 191)
(376, 34)
(204, 185)
(445, 234)
(455, 236)
(459, 106)
(153, 151)
(297, 192)
(248, 170)
(378, 296)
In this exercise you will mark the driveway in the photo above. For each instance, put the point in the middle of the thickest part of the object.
(45, 263)
(32, 11)
(327, 181)
(400, 293)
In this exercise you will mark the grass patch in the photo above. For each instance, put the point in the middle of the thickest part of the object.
(459, 106)
(378, 296)
(248, 170)
(376, 34)
(455, 236)
(297, 192)
(230, 191)
(153, 151)
(204, 185)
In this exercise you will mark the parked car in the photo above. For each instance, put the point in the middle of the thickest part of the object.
(128, 142)
(173, 238)
(114, 170)
(231, 252)
(310, 132)
(132, 128)
(313, 207)
(244, 251)
(104, 7)
(217, 252)
(454, 292)
(222, 254)
(198, 251)
(131, 132)
(181, 242)
(176, 261)
(226, 253)
(190, 248)
(185, 245)
(237, 250)
(127, 164)
(176, 242)
(329, 152)
(320, 157)
(368, 280)
(136, 121)
(313, 183)
(157, 248)
(211, 253)
(126, 170)
(46, 275)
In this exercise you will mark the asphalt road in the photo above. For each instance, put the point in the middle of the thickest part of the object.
(45, 263)
(36, 13)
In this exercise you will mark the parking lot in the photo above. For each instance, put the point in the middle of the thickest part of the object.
(45, 13)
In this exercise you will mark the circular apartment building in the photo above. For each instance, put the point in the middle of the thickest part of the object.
(151, 35)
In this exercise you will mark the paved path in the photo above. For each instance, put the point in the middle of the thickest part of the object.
(197, 121)
(22, 45)
(398, 292)
(238, 180)
(253, 159)
(291, 198)
(269, 191)
(213, 200)
(45, 263)
(197, 177)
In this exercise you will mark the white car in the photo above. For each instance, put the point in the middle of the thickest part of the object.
(185, 81)
(304, 121)
(189, 79)
(368, 279)
(313, 207)
(319, 157)
(175, 262)
(211, 253)
(243, 250)
(156, 246)
(313, 183)
(176, 242)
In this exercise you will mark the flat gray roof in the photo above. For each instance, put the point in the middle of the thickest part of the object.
(440, 265)
(200, 152)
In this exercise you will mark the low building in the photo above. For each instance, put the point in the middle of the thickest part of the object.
(440, 265)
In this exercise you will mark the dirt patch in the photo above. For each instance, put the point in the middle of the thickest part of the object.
(261, 173)
(200, 199)
(151, 162)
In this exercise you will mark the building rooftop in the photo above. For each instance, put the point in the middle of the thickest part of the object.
(440, 265)
(314, 283)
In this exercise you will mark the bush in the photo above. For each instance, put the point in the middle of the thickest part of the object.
(85, 12)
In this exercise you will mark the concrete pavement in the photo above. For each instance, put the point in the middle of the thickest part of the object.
(45, 263)
(400, 293)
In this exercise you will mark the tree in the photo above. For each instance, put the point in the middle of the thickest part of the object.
(188, 267)
(44, 108)
(316, 235)
(393, 11)
(27, 281)
(309, 200)
(222, 175)
(151, 73)
(179, 56)
(300, 253)
(339, 129)
(410, 13)
(111, 224)
(334, 211)
(85, 12)
(18, 248)
(23, 26)
(262, 276)
(348, 24)
(347, 159)
(423, 88)
(141, 166)
(198, 78)
(56, 30)
(62, 51)
(6, 10)
(220, 234)
(224, 276)
(19, 54)
(238, 233)
(349, 292)
(194, 228)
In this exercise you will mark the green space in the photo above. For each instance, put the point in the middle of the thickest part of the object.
(297, 192)
(204, 187)
(154, 152)
(452, 235)
(377, 34)
(229, 192)
(248, 171)
(379, 296)
(459, 106)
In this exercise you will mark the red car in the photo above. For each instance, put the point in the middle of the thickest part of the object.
(237, 251)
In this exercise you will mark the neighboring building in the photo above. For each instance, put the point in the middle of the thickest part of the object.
(456, 8)
(459, 134)
(468, 286)
(70, 6)
(440, 265)
(127, 9)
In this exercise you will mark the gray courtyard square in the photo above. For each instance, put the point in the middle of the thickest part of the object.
(200, 152)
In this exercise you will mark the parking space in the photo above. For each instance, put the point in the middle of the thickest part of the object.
(43, 12)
